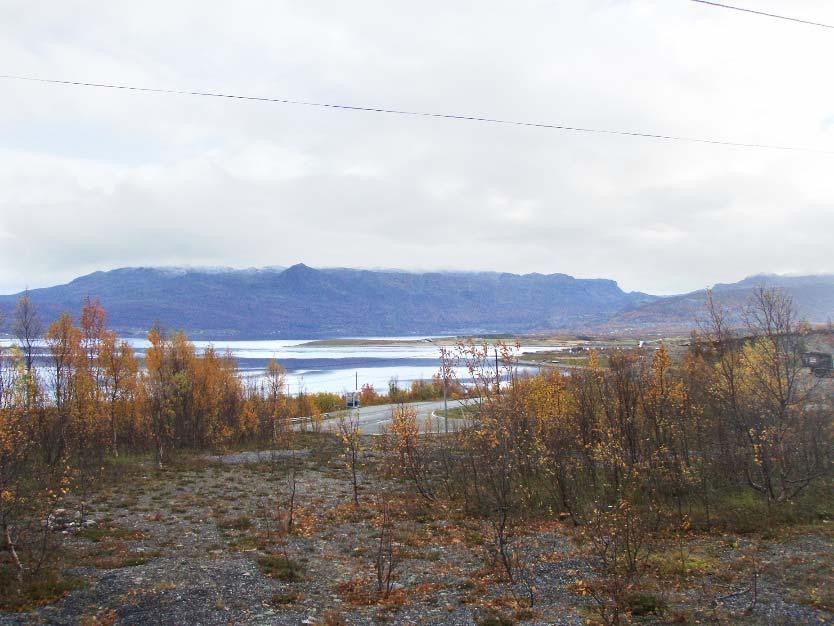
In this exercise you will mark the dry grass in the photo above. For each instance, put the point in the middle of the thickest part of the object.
(362, 591)
(108, 533)
(280, 567)
(46, 587)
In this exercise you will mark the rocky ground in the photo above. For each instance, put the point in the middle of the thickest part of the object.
(206, 542)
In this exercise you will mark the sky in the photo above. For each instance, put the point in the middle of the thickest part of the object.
(94, 179)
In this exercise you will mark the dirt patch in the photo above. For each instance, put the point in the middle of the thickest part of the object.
(257, 456)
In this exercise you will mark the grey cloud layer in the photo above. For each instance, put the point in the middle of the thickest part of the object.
(93, 179)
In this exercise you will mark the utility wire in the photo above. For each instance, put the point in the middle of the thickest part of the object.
(449, 116)
(779, 17)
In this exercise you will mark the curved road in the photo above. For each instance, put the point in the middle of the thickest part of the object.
(373, 420)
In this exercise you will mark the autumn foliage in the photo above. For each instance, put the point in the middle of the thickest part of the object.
(652, 444)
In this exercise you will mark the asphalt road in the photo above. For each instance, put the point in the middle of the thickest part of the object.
(373, 420)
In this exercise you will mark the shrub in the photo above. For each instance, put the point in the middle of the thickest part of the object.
(496, 620)
(244, 522)
(640, 604)
(280, 567)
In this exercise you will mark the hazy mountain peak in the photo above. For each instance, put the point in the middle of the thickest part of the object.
(301, 301)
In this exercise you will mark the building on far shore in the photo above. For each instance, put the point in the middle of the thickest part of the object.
(820, 363)
(352, 399)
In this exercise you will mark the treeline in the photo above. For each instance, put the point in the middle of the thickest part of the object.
(73, 395)
(648, 447)
(419, 391)
(79, 386)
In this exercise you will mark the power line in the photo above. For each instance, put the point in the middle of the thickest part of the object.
(449, 116)
(779, 17)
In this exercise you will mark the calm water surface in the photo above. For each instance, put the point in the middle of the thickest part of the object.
(313, 368)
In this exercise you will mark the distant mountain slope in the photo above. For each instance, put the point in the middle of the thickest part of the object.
(304, 302)
(812, 295)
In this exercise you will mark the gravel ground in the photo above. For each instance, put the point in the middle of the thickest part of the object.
(257, 456)
(196, 534)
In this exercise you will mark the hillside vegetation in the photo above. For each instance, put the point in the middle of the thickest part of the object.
(655, 489)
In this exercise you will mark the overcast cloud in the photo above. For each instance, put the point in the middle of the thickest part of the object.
(95, 179)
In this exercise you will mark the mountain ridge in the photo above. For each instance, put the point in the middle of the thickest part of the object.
(813, 297)
(305, 302)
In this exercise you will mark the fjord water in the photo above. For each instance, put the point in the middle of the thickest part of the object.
(321, 366)
(335, 366)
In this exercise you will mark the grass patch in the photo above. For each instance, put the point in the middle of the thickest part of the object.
(248, 542)
(456, 413)
(324, 447)
(105, 533)
(642, 604)
(332, 618)
(672, 564)
(46, 587)
(242, 522)
(283, 599)
(496, 620)
(746, 512)
(807, 578)
(280, 567)
(118, 561)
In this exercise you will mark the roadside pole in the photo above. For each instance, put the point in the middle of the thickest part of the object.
(445, 403)
(443, 368)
